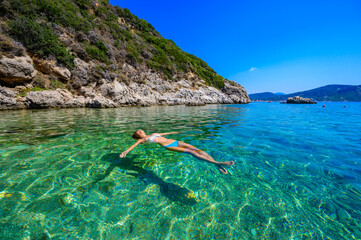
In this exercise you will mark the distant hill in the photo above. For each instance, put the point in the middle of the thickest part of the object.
(335, 93)
(262, 96)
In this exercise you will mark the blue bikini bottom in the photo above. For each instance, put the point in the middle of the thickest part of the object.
(173, 144)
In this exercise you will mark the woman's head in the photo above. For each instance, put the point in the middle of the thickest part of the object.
(138, 134)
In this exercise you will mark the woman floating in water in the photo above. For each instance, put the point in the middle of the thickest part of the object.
(176, 146)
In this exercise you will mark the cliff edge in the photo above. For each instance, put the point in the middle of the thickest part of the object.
(88, 53)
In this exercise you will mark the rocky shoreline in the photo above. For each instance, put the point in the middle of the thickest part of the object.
(153, 91)
(29, 81)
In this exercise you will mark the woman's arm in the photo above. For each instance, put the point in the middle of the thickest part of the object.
(162, 134)
(123, 154)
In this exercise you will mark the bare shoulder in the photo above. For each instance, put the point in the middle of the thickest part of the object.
(140, 140)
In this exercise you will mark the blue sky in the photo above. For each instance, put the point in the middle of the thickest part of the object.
(265, 45)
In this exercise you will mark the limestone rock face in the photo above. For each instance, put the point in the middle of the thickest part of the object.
(81, 74)
(49, 67)
(48, 99)
(61, 98)
(236, 92)
(7, 99)
(155, 91)
(107, 93)
(7, 92)
(300, 100)
(17, 70)
(8, 103)
(100, 102)
(145, 88)
(96, 100)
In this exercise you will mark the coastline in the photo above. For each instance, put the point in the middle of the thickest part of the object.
(119, 94)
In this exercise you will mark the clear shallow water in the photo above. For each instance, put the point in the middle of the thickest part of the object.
(297, 173)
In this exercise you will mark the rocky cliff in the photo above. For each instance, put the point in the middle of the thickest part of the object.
(87, 53)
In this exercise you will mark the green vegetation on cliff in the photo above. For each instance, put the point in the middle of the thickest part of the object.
(40, 39)
(104, 33)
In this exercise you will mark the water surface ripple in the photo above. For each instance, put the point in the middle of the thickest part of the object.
(297, 173)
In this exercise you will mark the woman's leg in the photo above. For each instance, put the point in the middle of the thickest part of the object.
(202, 154)
(197, 153)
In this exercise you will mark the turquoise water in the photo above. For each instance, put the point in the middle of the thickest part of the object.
(297, 173)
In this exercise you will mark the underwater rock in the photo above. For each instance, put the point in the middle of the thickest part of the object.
(267, 177)
(343, 216)
(315, 201)
(333, 216)
(313, 169)
(329, 208)
(303, 190)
